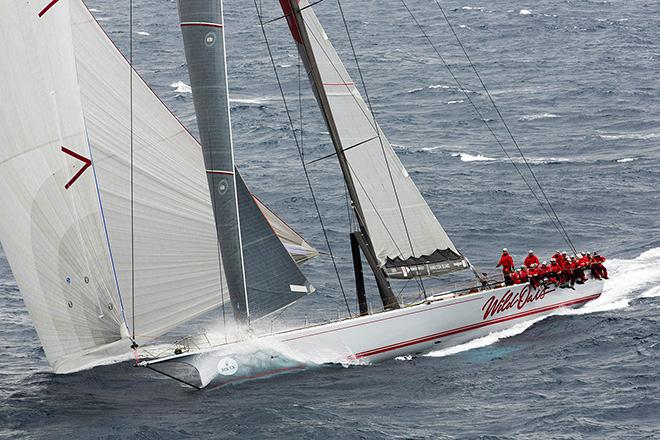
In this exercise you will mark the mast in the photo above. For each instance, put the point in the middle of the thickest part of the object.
(202, 26)
(261, 275)
(291, 9)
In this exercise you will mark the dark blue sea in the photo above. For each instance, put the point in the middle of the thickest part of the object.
(578, 82)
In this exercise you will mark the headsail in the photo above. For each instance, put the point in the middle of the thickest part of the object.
(294, 243)
(64, 170)
(261, 275)
(407, 238)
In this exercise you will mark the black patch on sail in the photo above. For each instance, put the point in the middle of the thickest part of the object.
(440, 261)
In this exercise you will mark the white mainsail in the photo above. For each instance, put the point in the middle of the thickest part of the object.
(403, 229)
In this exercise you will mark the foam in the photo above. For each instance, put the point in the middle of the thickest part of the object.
(629, 136)
(525, 12)
(181, 87)
(626, 159)
(143, 33)
(467, 157)
(539, 116)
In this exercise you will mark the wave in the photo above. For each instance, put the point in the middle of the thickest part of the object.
(143, 33)
(439, 86)
(626, 159)
(181, 87)
(629, 136)
(415, 90)
(252, 101)
(539, 116)
(458, 101)
(627, 279)
(467, 157)
(525, 12)
(472, 8)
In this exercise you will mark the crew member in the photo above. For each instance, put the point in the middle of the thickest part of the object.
(524, 275)
(531, 259)
(506, 261)
(600, 268)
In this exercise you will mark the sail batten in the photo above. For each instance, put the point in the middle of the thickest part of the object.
(399, 222)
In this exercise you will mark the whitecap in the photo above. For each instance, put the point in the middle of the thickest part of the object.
(525, 12)
(630, 136)
(284, 66)
(467, 157)
(94, 10)
(458, 101)
(251, 101)
(472, 8)
(439, 86)
(143, 33)
(537, 116)
(626, 159)
(181, 87)
(417, 89)
(485, 341)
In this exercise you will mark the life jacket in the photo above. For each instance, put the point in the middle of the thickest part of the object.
(524, 276)
(554, 268)
(515, 277)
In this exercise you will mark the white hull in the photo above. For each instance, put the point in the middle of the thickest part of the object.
(442, 321)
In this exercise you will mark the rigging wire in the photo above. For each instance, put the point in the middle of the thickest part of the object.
(506, 126)
(490, 129)
(301, 155)
(380, 138)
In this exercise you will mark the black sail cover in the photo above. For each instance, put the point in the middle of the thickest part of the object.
(261, 275)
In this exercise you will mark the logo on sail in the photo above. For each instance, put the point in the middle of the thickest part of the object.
(520, 300)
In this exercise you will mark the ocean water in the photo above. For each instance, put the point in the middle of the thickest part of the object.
(577, 82)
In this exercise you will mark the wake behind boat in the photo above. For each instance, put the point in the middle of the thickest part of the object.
(119, 228)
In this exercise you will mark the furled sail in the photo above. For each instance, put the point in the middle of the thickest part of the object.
(261, 275)
(407, 238)
(65, 191)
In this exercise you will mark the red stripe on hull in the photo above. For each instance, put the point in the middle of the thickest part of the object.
(472, 327)
(382, 319)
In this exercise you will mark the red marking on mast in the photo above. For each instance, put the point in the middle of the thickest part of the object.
(83, 159)
(201, 23)
(291, 19)
(48, 6)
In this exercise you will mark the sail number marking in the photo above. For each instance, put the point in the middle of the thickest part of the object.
(87, 163)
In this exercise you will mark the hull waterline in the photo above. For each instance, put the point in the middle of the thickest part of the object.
(440, 322)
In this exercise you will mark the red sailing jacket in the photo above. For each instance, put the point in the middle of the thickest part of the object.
(531, 259)
(506, 261)
(524, 277)
(515, 277)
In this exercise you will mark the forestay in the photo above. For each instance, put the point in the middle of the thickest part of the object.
(407, 238)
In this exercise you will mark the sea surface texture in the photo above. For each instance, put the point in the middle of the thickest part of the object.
(577, 82)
